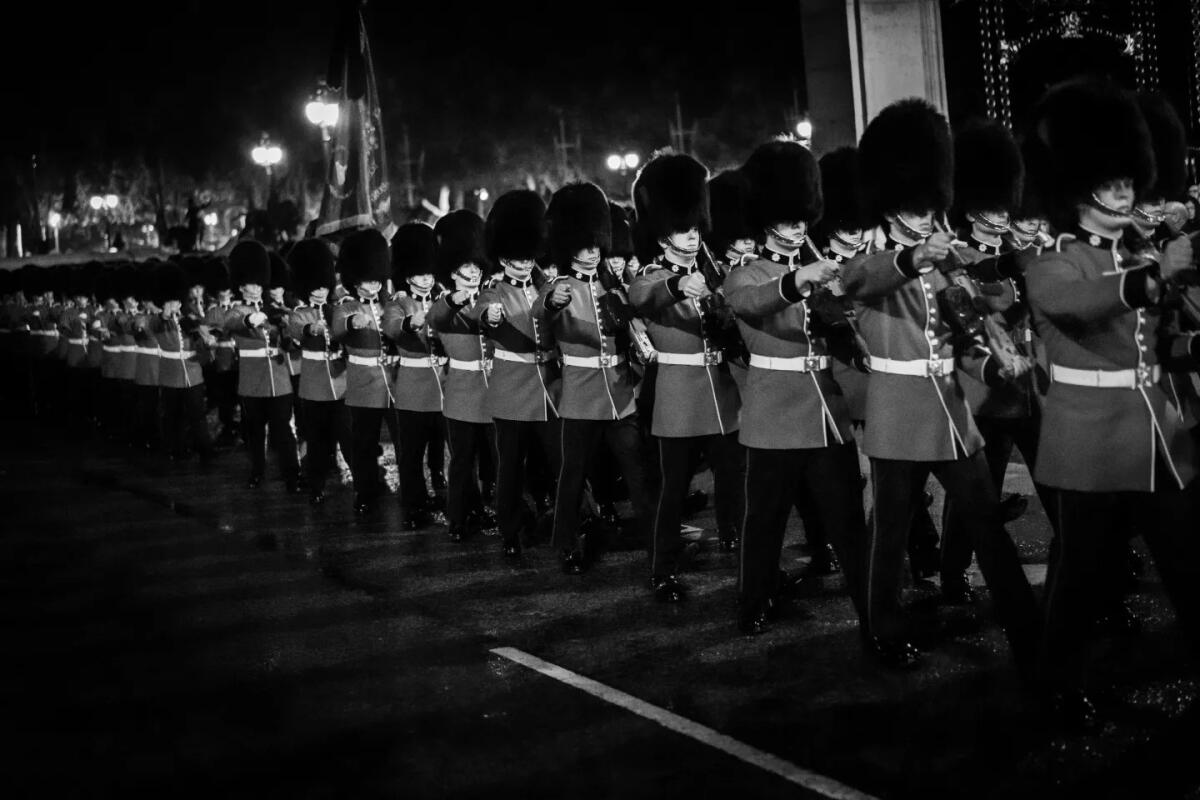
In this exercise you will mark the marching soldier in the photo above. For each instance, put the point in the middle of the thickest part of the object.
(75, 326)
(794, 422)
(697, 408)
(322, 387)
(598, 392)
(733, 243)
(461, 261)
(421, 368)
(264, 384)
(148, 414)
(1110, 444)
(221, 373)
(183, 348)
(525, 384)
(917, 420)
(364, 264)
(122, 338)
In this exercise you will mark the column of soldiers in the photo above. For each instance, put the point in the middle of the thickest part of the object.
(928, 301)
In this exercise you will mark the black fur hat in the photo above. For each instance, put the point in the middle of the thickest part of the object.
(729, 205)
(459, 241)
(622, 232)
(363, 257)
(670, 195)
(414, 251)
(1084, 133)
(516, 226)
(125, 282)
(312, 266)
(1169, 141)
(249, 263)
(785, 185)
(216, 275)
(171, 283)
(906, 161)
(281, 273)
(988, 171)
(840, 180)
(194, 267)
(578, 218)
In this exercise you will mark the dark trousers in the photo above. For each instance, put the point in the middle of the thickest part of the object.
(259, 413)
(468, 441)
(828, 478)
(365, 424)
(1086, 524)
(1000, 436)
(109, 392)
(420, 431)
(185, 420)
(129, 411)
(222, 395)
(968, 484)
(514, 454)
(328, 424)
(298, 409)
(436, 456)
(81, 398)
(147, 430)
(677, 458)
(578, 443)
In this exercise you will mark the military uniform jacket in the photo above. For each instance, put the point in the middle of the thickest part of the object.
(911, 417)
(783, 409)
(458, 330)
(121, 328)
(262, 364)
(110, 360)
(182, 354)
(74, 325)
(62, 343)
(596, 393)
(846, 350)
(43, 330)
(697, 400)
(369, 382)
(323, 364)
(225, 352)
(523, 391)
(417, 388)
(146, 348)
(1090, 309)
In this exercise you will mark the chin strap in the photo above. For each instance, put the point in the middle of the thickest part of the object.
(991, 225)
(1100, 205)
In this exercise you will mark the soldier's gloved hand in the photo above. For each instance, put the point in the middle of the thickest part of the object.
(317, 328)
(417, 320)
(1177, 256)
(816, 273)
(693, 286)
(495, 313)
(460, 297)
(357, 321)
(560, 296)
(932, 251)
(257, 318)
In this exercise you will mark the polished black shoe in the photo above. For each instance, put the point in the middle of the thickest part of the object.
(254, 482)
(1118, 622)
(316, 498)
(956, 590)
(457, 533)
(438, 482)
(896, 654)
(294, 486)
(730, 545)
(484, 519)
(415, 520)
(574, 564)
(752, 621)
(609, 515)
(363, 505)
(1012, 507)
(825, 561)
(668, 589)
(1074, 712)
(511, 550)
(694, 503)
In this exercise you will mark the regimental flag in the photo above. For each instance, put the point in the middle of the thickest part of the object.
(357, 193)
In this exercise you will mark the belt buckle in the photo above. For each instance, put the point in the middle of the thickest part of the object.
(1145, 375)
(935, 368)
(711, 358)
(812, 363)
(606, 360)
(485, 364)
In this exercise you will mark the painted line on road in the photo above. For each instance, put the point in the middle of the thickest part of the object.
(815, 782)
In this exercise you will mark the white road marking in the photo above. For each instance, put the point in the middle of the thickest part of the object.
(826, 787)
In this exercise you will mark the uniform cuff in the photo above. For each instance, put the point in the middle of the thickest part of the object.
(903, 261)
(673, 286)
(1135, 287)
(789, 291)
(989, 372)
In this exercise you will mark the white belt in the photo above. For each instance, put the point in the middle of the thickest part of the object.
(146, 351)
(793, 364)
(80, 342)
(261, 352)
(227, 344)
(425, 361)
(691, 359)
(178, 355)
(118, 348)
(1145, 375)
(475, 365)
(364, 361)
(319, 355)
(52, 334)
(540, 357)
(921, 368)
(593, 362)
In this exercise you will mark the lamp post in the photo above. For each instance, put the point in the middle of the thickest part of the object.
(324, 114)
(267, 155)
(804, 132)
(622, 163)
(55, 220)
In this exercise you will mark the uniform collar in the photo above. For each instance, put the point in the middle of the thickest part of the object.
(1096, 240)
(986, 248)
(525, 284)
(790, 261)
(583, 276)
(676, 268)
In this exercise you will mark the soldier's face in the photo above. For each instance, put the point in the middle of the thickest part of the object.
(224, 296)
(788, 234)
(131, 303)
(615, 263)
(1025, 231)
(196, 292)
(550, 271)
(1149, 215)
(171, 307)
(421, 283)
(743, 246)
(251, 291)
(467, 276)
(277, 294)
(684, 241)
(587, 259)
(369, 288)
(319, 295)
(920, 224)
(519, 268)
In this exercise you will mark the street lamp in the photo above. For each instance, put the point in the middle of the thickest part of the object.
(804, 132)
(622, 163)
(210, 219)
(96, 202)
(110, 201)
(55, 220)
(324, 115)
(266, 155)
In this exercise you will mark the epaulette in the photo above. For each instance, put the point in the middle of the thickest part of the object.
(1058, 243)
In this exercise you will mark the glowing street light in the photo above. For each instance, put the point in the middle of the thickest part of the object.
(631, 160)
(96, 202)
(210, 219)
(266, 155)
(613, 162)
(55, 220)
(804, 132)
(483, 195)
(110, 201)
(622, 163)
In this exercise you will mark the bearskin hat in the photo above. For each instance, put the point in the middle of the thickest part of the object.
(460, 240)
(364, 257)
(622, 232)
(840, 182)
(670, 195)
(146, 286)
(194, 267)
(171, 283)
(125, 281)
(216, 275)
(578, 218)
(785, 185)
(729, 207)
(1084, 133)
(281, 273)
(988, 171)
(906, 161)
(1169, 141)
(516, 226)
(312, 266)
(249, 263)
(414, 251)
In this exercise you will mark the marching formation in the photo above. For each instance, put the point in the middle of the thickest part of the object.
(929, 300)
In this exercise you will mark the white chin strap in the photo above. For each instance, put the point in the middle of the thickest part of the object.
(1100, 205)
(787, 241)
